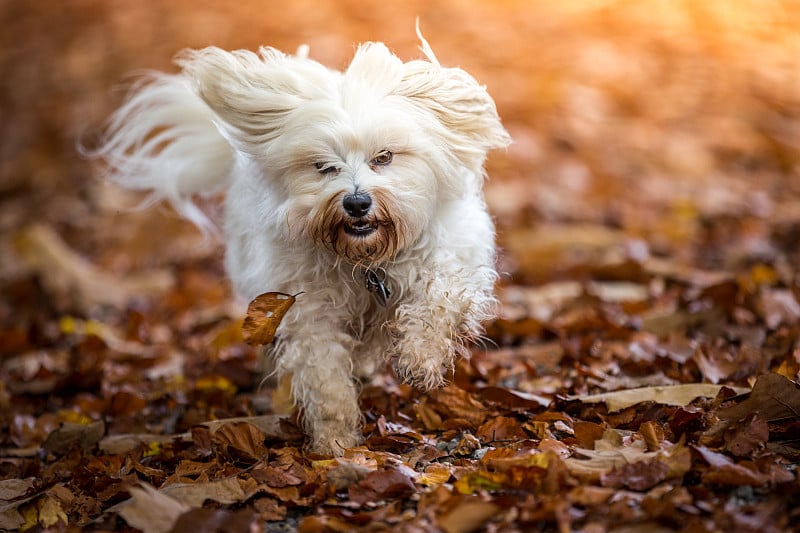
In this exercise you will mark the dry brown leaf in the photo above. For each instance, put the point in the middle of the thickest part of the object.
(468, 515)
(435, 474)
(678, 395)
(346, 474)
(381, 485)
(724, 471)
(244, 439)
(638, 476)
(773, 397)
(124, 443)
(500, 428)
(746, 436)
(458, 403)
(512, 399)
(85, 436)
(215, 521)
(609, 453)
(226, 490)
(270, 425)
(264, 315)
(778, 306)
(12, 495)
(150, 510)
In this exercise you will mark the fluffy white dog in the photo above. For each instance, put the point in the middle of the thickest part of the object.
(362, 189)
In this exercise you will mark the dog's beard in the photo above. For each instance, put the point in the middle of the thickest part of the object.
(369, 240)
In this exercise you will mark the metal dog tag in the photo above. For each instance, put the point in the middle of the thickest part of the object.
(375, 281)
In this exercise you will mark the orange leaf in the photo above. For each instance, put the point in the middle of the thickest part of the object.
(264, 314)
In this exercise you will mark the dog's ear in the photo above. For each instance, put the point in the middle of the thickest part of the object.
(253, 94)
(460, 104)
(376, 67)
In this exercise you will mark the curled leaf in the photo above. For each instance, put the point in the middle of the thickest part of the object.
(264, 314)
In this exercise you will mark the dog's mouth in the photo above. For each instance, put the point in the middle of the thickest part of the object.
(360, 227)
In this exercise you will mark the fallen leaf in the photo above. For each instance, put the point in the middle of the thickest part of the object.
(346, 474)
(468, 514)
(587, 433)
(434, 474)
(50, 512)
(513, 399)
(244, 439)
(226, 490)
(270, 510)
(779, 306)
(639, 476)
(124, 443)
(381, 485)
(13, 493)
(264, 315)
(480, 480)
(455, 402)
(678, 395)
(725, 472)
(500, 428)
(150, 510)
(215, 521)
(773, 397)
(618, 291)
(85, 436)
(273, 426)
(745, 437)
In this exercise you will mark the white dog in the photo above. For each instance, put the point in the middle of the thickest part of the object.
(361, 189)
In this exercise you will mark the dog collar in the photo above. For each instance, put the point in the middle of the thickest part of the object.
(375, 281)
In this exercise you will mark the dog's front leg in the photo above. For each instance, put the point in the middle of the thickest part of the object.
(322, 385)
(442, 311)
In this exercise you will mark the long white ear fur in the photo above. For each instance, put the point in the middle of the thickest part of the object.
(464, 108)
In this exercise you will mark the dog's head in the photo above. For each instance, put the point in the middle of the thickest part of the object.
(360, 160)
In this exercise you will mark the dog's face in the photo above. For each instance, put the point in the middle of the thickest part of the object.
(360, 160)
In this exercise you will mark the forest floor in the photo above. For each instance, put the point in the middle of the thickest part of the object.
(642, 374)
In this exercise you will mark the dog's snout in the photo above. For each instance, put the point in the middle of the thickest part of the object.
(357, 204)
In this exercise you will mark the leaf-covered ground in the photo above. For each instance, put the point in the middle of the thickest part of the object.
(642, 375)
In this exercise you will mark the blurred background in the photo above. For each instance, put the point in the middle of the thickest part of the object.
(672, 123)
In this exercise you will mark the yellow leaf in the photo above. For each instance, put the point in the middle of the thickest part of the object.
(68, 325)
(526, 460)
(215, 382)
(435, 474)
(30, 514)
(480, 480)
(67, 415)
(322, 464)
(759, 274)
(50, 512)
(153, 448)
(264, 314)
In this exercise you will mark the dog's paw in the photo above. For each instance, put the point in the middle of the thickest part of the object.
(421, 358)
(333, 438)
(423, 373)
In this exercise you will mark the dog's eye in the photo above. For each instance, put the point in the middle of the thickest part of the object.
(325, 168)
(383, 158)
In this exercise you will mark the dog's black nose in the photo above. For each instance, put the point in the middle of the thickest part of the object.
(357, 204)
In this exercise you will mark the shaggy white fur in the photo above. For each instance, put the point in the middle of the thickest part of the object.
(332, 178)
